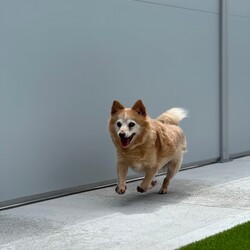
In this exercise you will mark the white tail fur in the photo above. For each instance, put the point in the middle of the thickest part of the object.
(173, 116)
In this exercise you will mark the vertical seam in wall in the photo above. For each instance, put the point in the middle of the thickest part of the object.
(224, 91)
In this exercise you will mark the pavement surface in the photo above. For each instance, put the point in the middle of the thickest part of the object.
(200, 202)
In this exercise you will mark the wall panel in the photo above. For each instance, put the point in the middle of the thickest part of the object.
(239, 77)
(63, 63)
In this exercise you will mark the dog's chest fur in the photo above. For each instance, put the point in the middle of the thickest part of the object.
(139, 159)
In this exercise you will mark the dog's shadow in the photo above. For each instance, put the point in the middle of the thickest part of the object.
(133, 202)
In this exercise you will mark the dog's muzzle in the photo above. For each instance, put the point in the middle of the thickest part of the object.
(125, 141)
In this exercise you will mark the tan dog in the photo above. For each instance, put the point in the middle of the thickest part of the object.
(145, 144)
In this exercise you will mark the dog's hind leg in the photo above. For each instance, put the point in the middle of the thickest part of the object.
(173, 167)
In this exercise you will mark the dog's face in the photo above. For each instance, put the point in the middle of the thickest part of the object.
(126, 130)
(126, 125)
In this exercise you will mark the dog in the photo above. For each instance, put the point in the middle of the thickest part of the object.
(146, 145)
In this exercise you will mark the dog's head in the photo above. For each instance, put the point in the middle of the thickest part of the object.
(126, 125)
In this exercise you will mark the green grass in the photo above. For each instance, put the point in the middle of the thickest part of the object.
(233, 239)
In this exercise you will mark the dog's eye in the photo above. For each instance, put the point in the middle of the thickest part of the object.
(119, 124)
(131, 124)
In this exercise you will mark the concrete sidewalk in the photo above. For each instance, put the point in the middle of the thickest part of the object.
(200, 202)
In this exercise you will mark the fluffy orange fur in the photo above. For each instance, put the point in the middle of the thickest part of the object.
(157, 142)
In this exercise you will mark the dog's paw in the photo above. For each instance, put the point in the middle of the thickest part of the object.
(120, 190)
(141, 190)
(163, 191)
(153, 183)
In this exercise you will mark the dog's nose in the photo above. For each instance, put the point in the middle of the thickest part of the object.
(122, 135)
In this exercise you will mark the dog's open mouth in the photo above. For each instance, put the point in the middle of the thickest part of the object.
(125, 141)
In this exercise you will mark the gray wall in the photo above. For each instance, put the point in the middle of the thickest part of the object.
(63, 63)
(239, 77)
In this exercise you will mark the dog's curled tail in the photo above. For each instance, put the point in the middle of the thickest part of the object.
(173, 116)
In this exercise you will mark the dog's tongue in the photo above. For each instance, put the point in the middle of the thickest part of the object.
(125, 142)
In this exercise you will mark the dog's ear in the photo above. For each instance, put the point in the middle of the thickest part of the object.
(116, 107)
(139, 108)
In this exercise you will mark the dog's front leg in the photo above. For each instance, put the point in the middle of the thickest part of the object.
(148, 181)
(122, 171)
